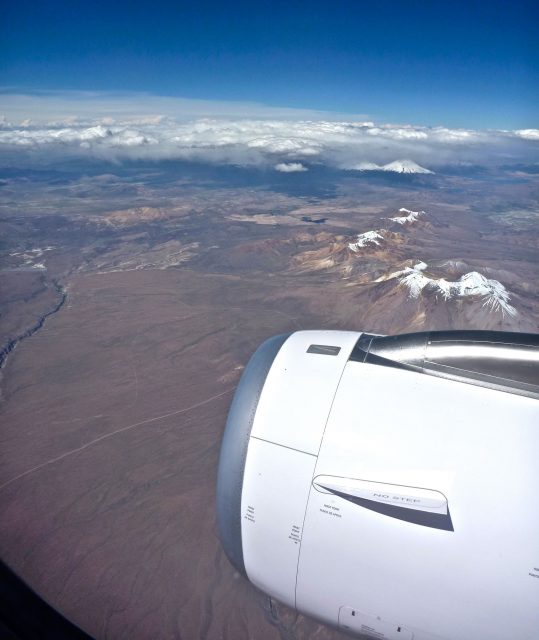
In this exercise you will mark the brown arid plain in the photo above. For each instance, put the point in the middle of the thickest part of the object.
(129, 310)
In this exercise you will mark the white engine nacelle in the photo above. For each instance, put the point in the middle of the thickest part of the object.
(389, 486)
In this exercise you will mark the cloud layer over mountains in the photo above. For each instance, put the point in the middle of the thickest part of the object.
(286, 141)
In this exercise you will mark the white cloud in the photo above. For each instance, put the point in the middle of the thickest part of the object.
(528, 134)
(290, 167)
(100, 107)
(60, 126)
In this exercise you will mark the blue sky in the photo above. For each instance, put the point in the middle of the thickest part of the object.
(460, 64)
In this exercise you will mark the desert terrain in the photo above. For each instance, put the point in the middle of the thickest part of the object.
(132, 298)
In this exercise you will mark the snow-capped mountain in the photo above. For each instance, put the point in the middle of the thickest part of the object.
(374, 237)
(494, 294)
(364, 239)
(398, 166)
(405, 166)
(409, 216)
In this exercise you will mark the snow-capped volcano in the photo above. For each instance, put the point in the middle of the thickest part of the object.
(409, 216)
(495, 295)
(374, 237)
(363, 239)
(405, 166)
(398, 166)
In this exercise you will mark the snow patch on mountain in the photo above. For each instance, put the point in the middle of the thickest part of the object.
(364, 239)
(30, 256)
(410, 216)
(495, 295)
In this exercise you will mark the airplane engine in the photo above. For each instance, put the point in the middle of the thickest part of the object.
(389, 485)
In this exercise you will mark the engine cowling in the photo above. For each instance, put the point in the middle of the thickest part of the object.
(388, 485)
